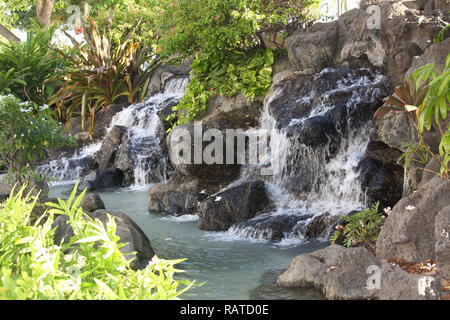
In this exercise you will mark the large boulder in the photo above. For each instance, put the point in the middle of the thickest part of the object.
(403, 34)
(355, 273)
(238, 203)
(381, 182)
(179, 195)
(128, 231)
(92, 202)
(185, 136)
(442, 244)
(313, 49)
(106, 156)
(409, 230)
(102, 179)
(397, 284)
(338, 272)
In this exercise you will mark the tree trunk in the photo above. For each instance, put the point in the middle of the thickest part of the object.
(8, 34)
(44, 10)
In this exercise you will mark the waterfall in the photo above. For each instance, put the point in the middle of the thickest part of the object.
(311, 181)
(140, 152)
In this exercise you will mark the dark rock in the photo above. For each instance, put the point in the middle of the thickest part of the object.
(103, 119)
(409, 230)
(383, 183)
(238, 203)
(316, 132)
(102, 179)
(92, 202)
(128, 231)
(106, 156)
(322, 226)
(269, 226)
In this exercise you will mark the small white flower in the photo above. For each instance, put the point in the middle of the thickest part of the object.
(388, 210)
(410, 208)
(203, 191)
(218, 199)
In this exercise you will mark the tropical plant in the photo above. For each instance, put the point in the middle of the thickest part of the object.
(101, 73)
(406, 98)
(9, 79)
(35, 64)
(426, 98)
(89, 265)
(249, 73)
(27, 131)
(360, 229)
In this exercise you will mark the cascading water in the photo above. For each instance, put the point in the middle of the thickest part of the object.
(315, 157)
(140, 153)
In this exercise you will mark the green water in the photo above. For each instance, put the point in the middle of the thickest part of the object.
(232, 267)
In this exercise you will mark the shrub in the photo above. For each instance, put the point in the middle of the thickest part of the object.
(186, 27)
(102, 72)
(36, 68)
(360, 229)
(250, 74)
(26, 131)
(89, 266)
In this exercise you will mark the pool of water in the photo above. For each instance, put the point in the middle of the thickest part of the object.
(231, 267)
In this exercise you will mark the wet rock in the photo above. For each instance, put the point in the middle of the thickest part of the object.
(128, 231)
(164, 73)
(106, 156)
(322, 226)
(270, 290)
(442, 244)
(316, 132)
(238, 203)
(92, 202)
(103, 119)
(338, 272)
(102, 179)
(313, 49)
(409, 230)
(179, 195)
(270, 226)
(383, 183)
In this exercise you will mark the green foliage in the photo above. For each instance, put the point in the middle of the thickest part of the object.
(436, 106)
(360, 229)
(425, 96)
(35, 65)
(90, 266)
(9, 79)
(250, 74)
(26, 132)
(101, 73)
(416, 153)
(441, 35)
(186, 27)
